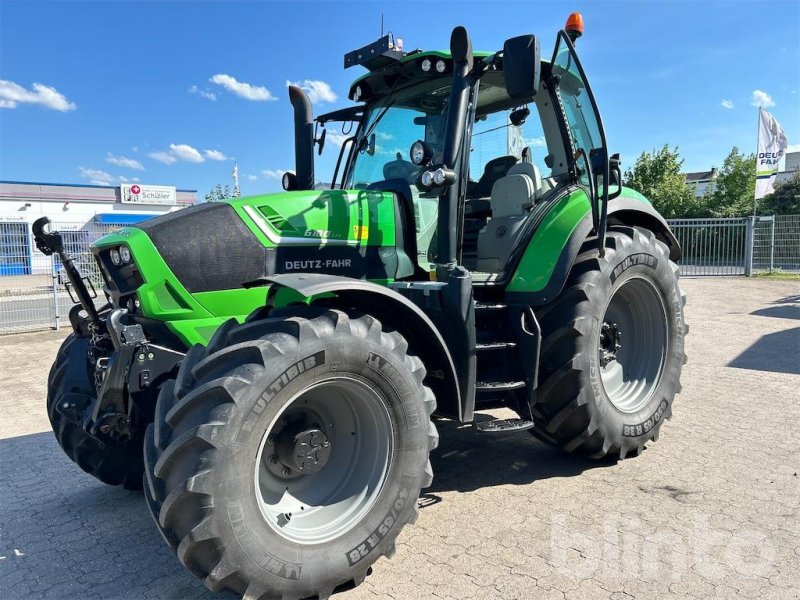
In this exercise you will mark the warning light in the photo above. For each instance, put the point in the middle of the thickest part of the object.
(574, 26)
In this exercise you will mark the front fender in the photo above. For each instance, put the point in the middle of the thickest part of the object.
(391, 309)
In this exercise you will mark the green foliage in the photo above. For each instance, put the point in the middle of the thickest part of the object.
(784, 201)
(218, 193)
(658, 176)
(735, 186)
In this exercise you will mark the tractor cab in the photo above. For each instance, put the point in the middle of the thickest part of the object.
(473, 144)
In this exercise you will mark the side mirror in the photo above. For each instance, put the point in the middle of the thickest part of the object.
(521, 66)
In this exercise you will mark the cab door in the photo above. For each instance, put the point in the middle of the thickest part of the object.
(586, 143)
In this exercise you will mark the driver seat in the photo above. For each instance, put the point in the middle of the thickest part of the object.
(512, 197)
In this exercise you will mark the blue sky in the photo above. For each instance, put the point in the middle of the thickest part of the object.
(168, 93)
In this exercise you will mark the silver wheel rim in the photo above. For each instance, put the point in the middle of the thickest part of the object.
(343, 479)
(633, 344)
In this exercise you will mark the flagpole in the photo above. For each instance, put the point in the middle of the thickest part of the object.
(755, 190)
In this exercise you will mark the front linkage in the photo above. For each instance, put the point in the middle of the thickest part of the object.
(126, 367)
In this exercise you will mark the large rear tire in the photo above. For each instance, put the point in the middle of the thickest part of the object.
(71, 389)
(612, 348)
(289, 453)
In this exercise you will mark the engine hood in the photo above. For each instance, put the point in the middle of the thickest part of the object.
(221, 245)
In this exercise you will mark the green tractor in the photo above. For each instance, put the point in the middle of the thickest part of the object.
(271, 367)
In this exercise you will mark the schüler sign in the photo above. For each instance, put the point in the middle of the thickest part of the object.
(133, 193)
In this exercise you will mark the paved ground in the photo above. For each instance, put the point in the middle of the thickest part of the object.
(710, 511)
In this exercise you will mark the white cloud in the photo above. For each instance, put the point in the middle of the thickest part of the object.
(763, 99)
(252, 177)
(100, 177)
(243, 90)
(727, 104)
(274, 173)
(122, 161)
(186, 153)
(164, 157)
(12, 94)
(214, 155)
(793, 148)
(203, 93)
(318, 91)
(536, 142)
(336, 138)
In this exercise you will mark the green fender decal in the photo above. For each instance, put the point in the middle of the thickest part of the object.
(541, 256)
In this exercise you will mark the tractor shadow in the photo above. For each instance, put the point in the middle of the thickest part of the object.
(467, 460)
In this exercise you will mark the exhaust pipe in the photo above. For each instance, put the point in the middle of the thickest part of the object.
(303, 138)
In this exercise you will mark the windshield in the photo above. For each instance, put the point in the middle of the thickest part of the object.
(384, 140)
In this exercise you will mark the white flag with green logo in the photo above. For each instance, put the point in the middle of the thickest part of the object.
(771, 147)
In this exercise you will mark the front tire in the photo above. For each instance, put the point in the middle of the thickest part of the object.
(289, 453)
(612, 348)
(70, 388)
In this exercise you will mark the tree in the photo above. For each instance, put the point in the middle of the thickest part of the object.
(218, 193)
(658, 176)
(735, 186)
(785, 200)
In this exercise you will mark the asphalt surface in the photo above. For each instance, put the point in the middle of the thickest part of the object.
(710, 511)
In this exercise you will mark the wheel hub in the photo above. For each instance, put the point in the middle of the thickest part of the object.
(610, 342)
(306, 451)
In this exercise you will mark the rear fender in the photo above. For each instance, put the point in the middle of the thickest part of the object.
(393, 310)
(630, 211)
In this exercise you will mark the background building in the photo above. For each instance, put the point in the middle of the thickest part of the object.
(87, 211)
(790, 168)
(701, 181)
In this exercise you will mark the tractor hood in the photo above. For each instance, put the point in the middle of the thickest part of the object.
(222, 245)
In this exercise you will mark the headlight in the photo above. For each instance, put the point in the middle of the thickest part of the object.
(440, 66)
(357, 94)
(115, 257)
(419, 153)
(125, 254)
(426, 65)
(427, 179)
(438, 176)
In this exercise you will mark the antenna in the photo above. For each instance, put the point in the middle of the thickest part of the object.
(381, 24)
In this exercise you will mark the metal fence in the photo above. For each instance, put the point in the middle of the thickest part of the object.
(738, 246)
(32, 294)
(776, 244)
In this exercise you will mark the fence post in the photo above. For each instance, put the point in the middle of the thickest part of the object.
(56, 316)
(772, 246)
(748, 246)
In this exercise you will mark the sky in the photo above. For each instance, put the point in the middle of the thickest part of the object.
(169, 93)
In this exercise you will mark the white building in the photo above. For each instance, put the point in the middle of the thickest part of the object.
(790, 168)
(87, 210)
(701, 181)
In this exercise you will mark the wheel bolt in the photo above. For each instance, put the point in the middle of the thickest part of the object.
(273, 460)
(286, 471)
